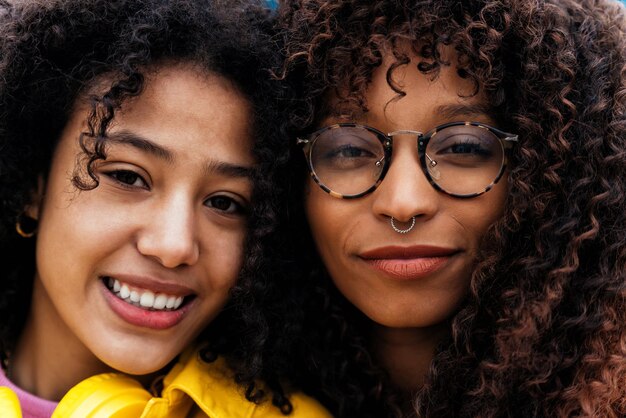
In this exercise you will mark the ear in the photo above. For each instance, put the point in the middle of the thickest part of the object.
(33, 208)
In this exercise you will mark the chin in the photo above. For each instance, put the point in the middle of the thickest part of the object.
(402, 318)
(400, 323)
(133, 368)
(138, 361)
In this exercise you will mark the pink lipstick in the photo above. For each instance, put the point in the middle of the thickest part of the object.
(144, 303)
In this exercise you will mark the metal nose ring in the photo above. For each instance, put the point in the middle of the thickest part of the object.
(402, 231)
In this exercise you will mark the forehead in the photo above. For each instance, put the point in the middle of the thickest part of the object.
(196, 112)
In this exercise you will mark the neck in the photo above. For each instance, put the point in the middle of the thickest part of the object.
(49, 359)
(406, 353)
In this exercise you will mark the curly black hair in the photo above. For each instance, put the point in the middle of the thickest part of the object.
(54, 53)
(542, 331)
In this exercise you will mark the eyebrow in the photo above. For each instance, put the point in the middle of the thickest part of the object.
(451, 111)
(141, 143)
(213, 167)
(229, 170)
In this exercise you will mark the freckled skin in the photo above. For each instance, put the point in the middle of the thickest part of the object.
(167, 225)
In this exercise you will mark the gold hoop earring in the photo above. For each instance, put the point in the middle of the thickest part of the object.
(26, 226)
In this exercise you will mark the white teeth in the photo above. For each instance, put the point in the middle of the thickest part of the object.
(160, 301)
(147, 299)
(144, 298)
(124, 292)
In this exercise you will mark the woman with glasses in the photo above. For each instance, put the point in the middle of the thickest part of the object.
(463, 180)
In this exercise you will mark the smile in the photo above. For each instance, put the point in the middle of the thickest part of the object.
(143, 298)
(155, 304)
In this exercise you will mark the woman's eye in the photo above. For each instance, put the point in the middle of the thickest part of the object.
(475, 148)
(225, 204)
(467, 148)
(349, 151)
(128, 178)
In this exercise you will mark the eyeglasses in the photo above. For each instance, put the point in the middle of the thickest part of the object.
(461, 159)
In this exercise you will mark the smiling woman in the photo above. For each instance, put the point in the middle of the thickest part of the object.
(460, 169)
(405, 281)
(136, 209)
(168, 229)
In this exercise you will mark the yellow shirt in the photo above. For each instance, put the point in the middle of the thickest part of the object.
(192, 389)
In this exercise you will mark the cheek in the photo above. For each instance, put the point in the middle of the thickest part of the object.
(480, 213)
(494, 208)
(324, 217)
(223, 259)
(82, 222)
(70, 228)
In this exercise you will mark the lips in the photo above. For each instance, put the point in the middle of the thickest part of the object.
(408, 263)
(146, 302)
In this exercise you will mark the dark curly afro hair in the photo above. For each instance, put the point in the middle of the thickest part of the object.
(54, 53)
(542, 332)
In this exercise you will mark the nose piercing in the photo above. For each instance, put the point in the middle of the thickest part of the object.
(402, 231)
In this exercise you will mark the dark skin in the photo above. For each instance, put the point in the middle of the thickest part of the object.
(409, 316)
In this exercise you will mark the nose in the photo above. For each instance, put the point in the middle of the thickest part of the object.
(405, 191)
(169, 235)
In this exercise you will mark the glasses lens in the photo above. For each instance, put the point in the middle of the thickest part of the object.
(464, 159)
(347, 160)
